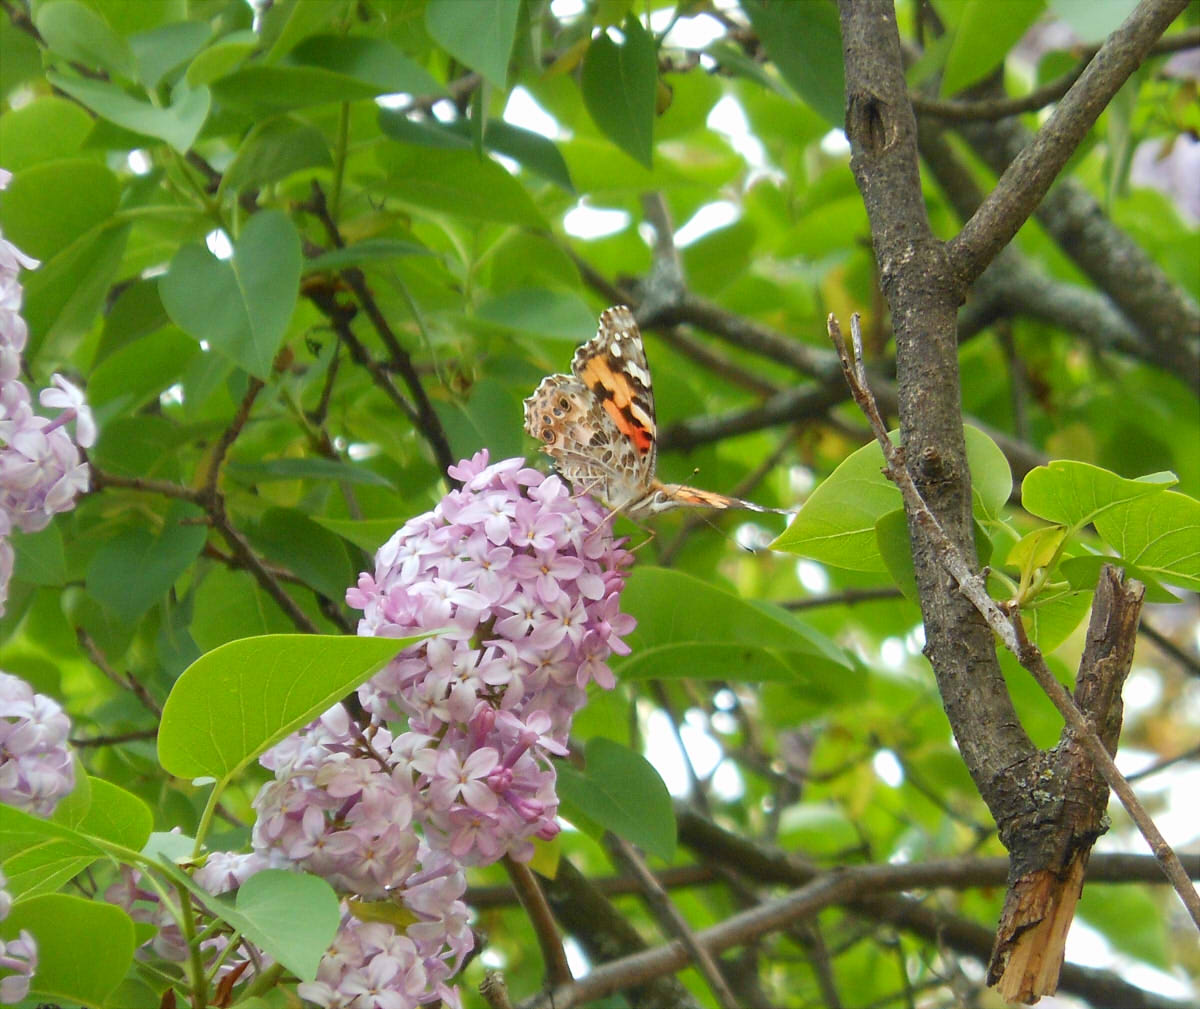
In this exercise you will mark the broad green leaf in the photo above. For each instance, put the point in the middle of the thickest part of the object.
(316, 555)
(985, 33)
(307, 469)
(160, 50)
(620, 791)
(78, 33)
(134, 570)
(456, 183)
(673, 608)
(1090, 21)
(291, 916)
(66, 927)
(1076, 493)
(51, 205)
(557, 315)
(241, 306)
(486, 420)
(287, 25)
(227, 606)
(322, 69)
(367, 534)
(1083, 572)
(535, 152)
(891, 537)
(364, 253)
(817, 827)
(619, 83)
(836, 525)
(137, 312)
(275, 149)
(243, 697)
(39, 556)
(221, 59)
(40, 855)
(178, 124)
(64, 296)
(47, 129)
(1159, 534)
(805, 43)
(139, 372)
(478, 34)
(116, 816)
(707, 660)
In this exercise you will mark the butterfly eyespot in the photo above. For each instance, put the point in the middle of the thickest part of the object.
(564, 405)
(548, 435)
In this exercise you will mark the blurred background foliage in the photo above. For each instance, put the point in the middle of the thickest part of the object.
(188, 171)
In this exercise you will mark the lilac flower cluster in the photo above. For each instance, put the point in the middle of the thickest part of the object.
(36, 766)
(41, 472)
(18, 956)
(521, 583)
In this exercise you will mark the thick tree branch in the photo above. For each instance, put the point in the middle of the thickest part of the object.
(1027, 179)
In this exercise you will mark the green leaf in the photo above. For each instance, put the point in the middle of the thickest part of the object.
(227, 606)
(558, 315)
(39, 855)
(619, 83)
(676, 612)
(39, 556)
(535, 152)
(323, 69)
(837, 524)
(64, 296)
(291, 916)
(457, 183)
(134, 570)
(242, 698)
(162, 49)
(986, 32)
(64, 927)
(273, 150)
(479, 35)
(137, 312)
(139, 372)
(177, 125)
(367, 534)
(316, 555)
(47, 129)
(804, 41)
(242, 306)
(370, 250)
(620, 791)
(116, 816)
(484, 421)
(79, 34)
(1160, 534)
(49, 206)
(1076, 493)
(307, 469)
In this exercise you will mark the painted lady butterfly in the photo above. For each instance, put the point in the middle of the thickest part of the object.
(597, 424)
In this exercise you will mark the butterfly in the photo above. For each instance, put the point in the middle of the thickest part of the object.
(597, 424)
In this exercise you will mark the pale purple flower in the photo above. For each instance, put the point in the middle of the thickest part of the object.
(36, 766)
(16, 955)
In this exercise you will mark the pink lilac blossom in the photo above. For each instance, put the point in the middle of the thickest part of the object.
(36, 766)
(41, 471)
(18, 957)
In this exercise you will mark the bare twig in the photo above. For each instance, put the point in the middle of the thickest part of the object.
(534, 902)
(669, 917)
(958, 109)
(126, 681)
(1006, 625)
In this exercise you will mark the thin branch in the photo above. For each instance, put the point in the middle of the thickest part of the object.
(126, 681)
(426, 420)
(669, 917)
(1025, 181)
(534, 902)
(1007, 626)
(960, 109)
(229, 436)
(848, 597)
(1190, 663)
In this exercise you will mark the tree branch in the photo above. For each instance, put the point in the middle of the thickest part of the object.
(1027, 179)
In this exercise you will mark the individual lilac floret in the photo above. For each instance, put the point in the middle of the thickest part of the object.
(521, 581)
(16, 955)
(36, 766)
